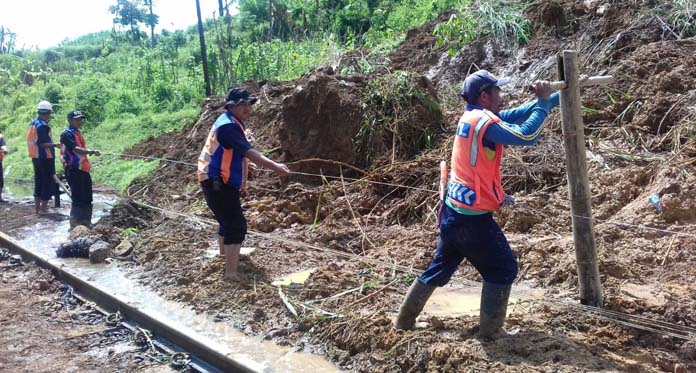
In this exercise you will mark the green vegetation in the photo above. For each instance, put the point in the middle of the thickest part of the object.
(132, 85)
(393, 117)
(682, 16)
(502, 21)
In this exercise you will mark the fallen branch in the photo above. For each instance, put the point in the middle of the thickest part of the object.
(371, 295)
(668, 250)
(329, 161)
(285, 300)
(355, 218)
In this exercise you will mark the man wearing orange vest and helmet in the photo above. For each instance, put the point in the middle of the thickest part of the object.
(3, 151)
(222, 173)
(74, 153)
(42, 153)
(474, 192)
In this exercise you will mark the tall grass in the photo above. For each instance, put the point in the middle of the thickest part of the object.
(503, 22)
(683, 17)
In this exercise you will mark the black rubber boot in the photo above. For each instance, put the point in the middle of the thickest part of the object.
(494, 301)
(413, 304)
(74, 216)
(86, 216)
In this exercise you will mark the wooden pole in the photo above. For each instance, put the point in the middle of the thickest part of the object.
(578, 183)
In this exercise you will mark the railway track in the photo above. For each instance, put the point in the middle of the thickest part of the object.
(196, 352)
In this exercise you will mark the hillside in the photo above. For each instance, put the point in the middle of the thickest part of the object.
(640, 139)
(365, 135)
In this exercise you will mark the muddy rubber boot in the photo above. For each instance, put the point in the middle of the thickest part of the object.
(232, 262)
(74, 216)
(416, 298)
(494, 301)
(86, 218)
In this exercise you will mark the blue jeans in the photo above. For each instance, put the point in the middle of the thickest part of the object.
(477, 238)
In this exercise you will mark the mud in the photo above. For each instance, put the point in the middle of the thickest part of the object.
(640, 141)
(44, 329)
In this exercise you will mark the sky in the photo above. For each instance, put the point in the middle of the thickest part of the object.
(45, 23)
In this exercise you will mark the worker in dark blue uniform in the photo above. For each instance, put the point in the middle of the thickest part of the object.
(474, 192)
(222, 171)
(74, 154)
(41, 150)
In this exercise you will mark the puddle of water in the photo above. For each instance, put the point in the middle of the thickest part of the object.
(256, 353)
(294, 278)
(466, 301)
(18, 191)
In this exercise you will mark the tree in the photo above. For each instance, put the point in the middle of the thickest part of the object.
(7, 40)
(204, 55)
(131, 13)
(151, 20)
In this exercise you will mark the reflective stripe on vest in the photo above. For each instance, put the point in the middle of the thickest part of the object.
(70, 158)
(215, 160)
(473, 155)
(475, 177)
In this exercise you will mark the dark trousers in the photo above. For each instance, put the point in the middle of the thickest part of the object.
(226, 206)
(2, 178)
(477, 238)
(44, 185)
(80, 183)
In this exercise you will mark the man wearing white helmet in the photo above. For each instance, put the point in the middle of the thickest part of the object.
(42, 153)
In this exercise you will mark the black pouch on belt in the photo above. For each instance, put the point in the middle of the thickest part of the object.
(216, 183)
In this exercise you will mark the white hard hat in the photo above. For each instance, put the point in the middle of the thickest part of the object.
(45, 105)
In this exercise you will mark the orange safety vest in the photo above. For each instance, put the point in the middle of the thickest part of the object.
(32, 141)
(71, 159)
(215, 160)
(475, 178)
(2, 155)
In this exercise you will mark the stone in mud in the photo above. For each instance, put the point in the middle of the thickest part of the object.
(124, 248)
(79, 231)
(77, 248)
(41, 285)
(99, 251)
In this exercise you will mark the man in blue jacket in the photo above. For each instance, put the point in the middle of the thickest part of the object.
(474, 192)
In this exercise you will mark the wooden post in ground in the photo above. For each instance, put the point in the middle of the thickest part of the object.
(578, 182)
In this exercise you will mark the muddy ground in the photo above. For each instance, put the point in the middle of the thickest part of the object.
(369, 239)
(43, 328)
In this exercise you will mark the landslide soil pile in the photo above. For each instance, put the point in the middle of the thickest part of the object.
(641, 139)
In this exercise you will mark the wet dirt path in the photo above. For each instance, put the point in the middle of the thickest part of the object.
(43, 234)
(44, 330)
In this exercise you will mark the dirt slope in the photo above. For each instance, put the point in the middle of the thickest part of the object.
(641, 139)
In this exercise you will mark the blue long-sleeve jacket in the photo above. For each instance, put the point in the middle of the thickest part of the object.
(521, 125)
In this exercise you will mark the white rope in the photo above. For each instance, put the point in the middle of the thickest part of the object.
(613, 222)
(634, 321)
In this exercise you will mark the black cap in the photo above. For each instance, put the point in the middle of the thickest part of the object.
(237, 95)
(75, 114)
(479, 82)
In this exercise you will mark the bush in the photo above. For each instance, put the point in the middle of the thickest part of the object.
(401, 115)
(53, 93)
(91, 95)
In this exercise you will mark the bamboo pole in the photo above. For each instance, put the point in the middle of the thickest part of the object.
(578, 182)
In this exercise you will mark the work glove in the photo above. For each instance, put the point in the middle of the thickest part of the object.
(509, 201)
